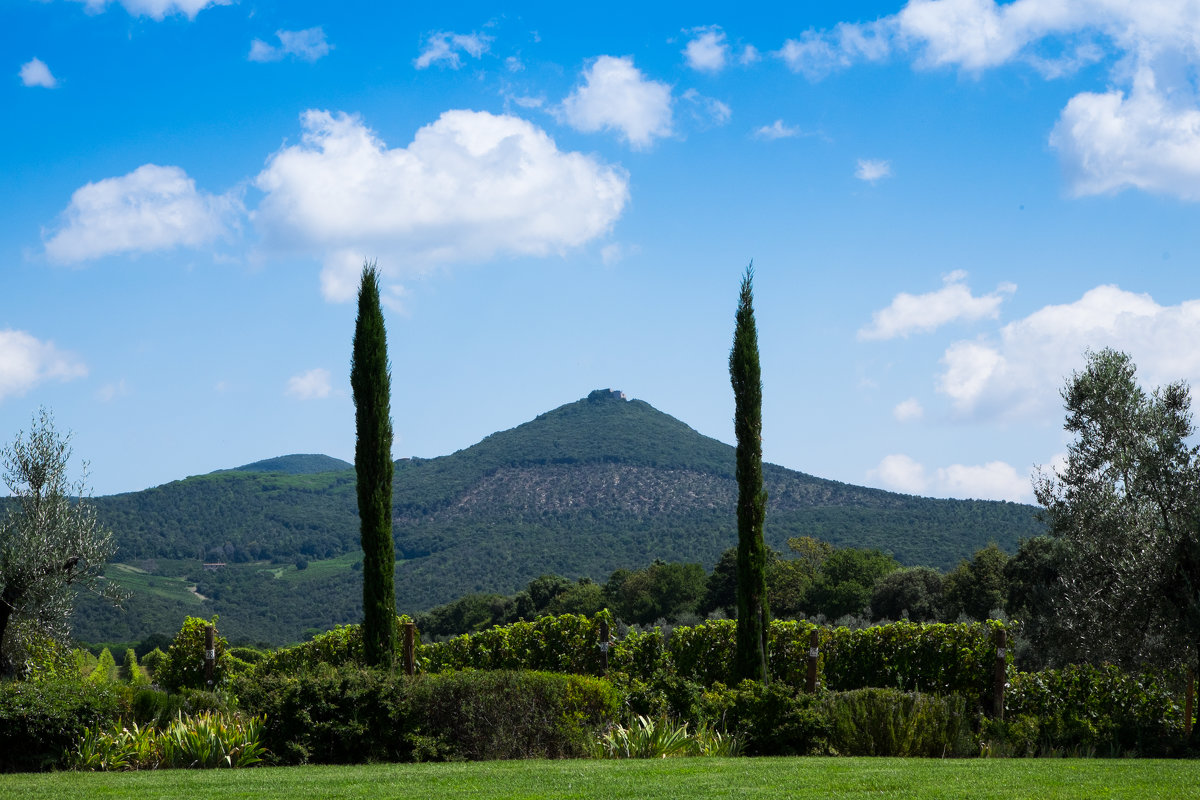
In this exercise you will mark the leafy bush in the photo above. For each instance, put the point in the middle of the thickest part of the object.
(942, 659)
(105, 669)
(566, 643)
(771, 720)
(341, 645)
(183, 666)
(1085, 709)
(352, 714)
(512, 714)
(40, 720)
(889, 722)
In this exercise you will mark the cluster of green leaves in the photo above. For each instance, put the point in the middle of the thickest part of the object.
(890, 722)
(1086, 709)
(957, 658)
(40, 719)
(208, 740)
(184, 664)
(566, 643)
(659, 737)
(351, 714)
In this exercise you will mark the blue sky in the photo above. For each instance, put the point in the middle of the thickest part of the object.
(946, 202)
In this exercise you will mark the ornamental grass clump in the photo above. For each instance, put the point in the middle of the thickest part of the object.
(209, 740)
(660, 737)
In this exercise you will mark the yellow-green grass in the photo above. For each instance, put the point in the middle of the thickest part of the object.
(670, 779)
(139, 581)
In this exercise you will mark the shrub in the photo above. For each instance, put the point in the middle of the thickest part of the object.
(353, 714)
(1085, 709)
(512, 714)
(183, 665)
(206, 741)
(774, 719)
(40, 720)
(105, 668)
(889, 722)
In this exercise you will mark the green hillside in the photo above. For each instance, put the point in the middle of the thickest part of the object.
(584, 489)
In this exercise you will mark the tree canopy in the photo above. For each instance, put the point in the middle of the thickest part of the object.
(1124, 508)
(50, 543)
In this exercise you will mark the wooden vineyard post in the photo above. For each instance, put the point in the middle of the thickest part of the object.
(604, 643)
(1190, 704)
(210, 654)
(1000, 674)
(814, 652)
(410, 655)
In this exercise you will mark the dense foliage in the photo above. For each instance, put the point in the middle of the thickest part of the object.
(371, 381)
(753, 608)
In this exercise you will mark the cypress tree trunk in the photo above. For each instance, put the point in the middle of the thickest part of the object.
(371, 383)
(753, 616)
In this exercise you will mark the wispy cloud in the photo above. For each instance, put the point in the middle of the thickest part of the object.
(871, 170)
(909, 313)
(312, 385)
(26, 362)
(307, 45)
(446, 48)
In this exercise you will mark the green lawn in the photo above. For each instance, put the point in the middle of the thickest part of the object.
(673, 779)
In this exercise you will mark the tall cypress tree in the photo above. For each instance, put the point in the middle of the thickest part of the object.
(753, 615)
(371, 382)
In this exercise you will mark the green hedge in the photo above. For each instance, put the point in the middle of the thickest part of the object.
(350, 714)
(40, 720)
(1088, 710)
(930, 658)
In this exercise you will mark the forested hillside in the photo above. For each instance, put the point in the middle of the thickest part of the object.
(582, 490)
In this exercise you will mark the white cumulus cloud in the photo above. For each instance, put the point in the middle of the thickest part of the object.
(35, 73)
(1141, 130)
(707, 50)
(151, 208)
(156, 9)
(900, 473)
(312, 385)
(1020, 369)
(994, 480)
(910, 313)
(615, 95)
(469, 187)
(444, 47)
(307, 45)
(26, 361)
(1112, 141)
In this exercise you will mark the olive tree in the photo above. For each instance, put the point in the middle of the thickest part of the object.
(1124, 509)
(51, 544)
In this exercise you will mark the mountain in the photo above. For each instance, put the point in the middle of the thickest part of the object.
(298, 464)
(592, 486)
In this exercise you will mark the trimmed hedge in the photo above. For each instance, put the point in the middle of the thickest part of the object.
(1090, 711)
(41, 720)
(350, 714)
